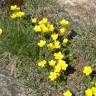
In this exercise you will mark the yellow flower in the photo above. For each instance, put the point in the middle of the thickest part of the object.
(62, 64)
(56, 44)
(57, 68)
(43, 21)
(42, 63)
(88, 92)
(53, 76)
(58, 56)
(41, 25)
(87, 70)
(65, 40)
(20, 14)
(37, 28)
(34, 20)
(62, 30)
(14, 8)
(50, 46)
(94, 90)
(67, 93)
(44, 28)
(13, 16)
(0, 31)
(54, 36)
(52, 63)
(17, 14)
(50, 28)
(64, 23)
(41, 43)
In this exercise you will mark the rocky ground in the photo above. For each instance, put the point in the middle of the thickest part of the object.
(80, 9)
(9, 86)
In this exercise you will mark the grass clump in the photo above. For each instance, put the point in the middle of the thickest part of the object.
(18, 37)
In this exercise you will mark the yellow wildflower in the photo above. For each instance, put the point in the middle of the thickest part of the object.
(57, 68)
(20, 14)
(0, 31)
(58, 56)
(62, 64)
(44, 28)
(17, 14)
(14, 8)
(41, 25)
(50, 46)
(94, 90)
(88, 92)
(67, 93)
(65, 40)
(52, 63)
(43, 21)
(34, 20)
(87, 70)
(62, 30)
(54, 36)
(50, 28)
(13, 16)
(37, 28)
(41, 43)
(53, 76)
(42, 63)
(56, 44)
(64, 23)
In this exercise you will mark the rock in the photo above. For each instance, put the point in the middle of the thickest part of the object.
(72, 2)
(82, 10)
(9, 86)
